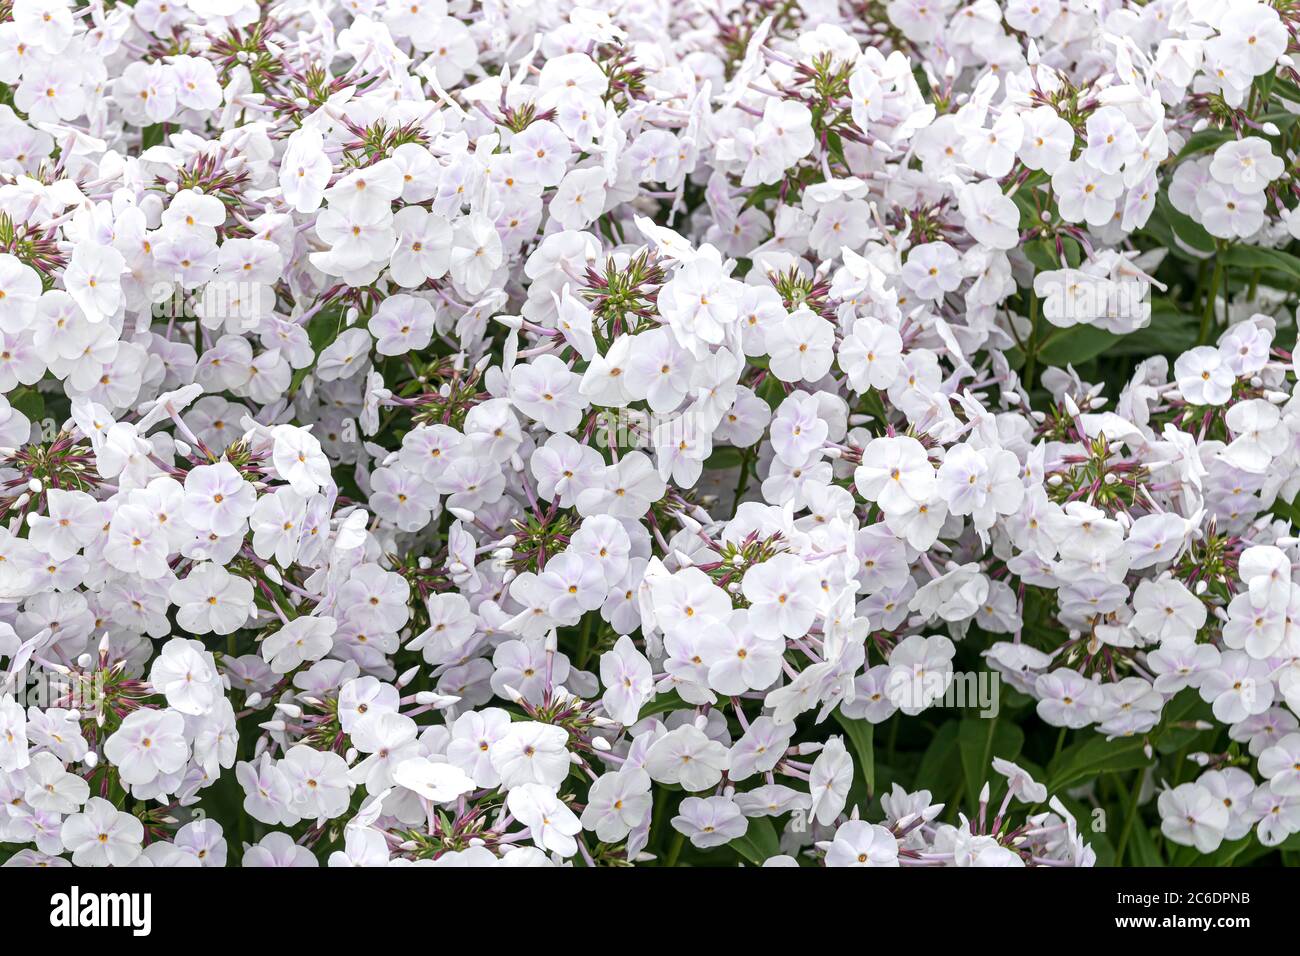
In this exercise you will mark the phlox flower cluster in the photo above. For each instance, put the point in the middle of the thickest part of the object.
(606, 432)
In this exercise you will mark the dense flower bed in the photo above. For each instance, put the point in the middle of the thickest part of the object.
(473, 432)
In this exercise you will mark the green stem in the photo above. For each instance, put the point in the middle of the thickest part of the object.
(584, 645)
(743, 482)
(1211, 294)
(676, 848)
(1060, 742)
(1031, 352)
(1129, 820)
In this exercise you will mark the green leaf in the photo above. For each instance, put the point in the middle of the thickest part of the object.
(29, 402)
(322, 330)
(861, 734)
(1186, 856)
(1030, 200)
(771, 392)
(940, 767)
(661, 704)
(979, 741)
(1265, 85)
(1171, 333)
(152, 136)
(1094, 756)
(1042, 254)
(1229, 851)
(725, 457)
(1143, 848)
(1075, 345)
(835, 146)
(1259, 257)
(1187, 706)
(1185, 228)
(1211, 139)
(759, 842)
(760, 195)
(1206, 139)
